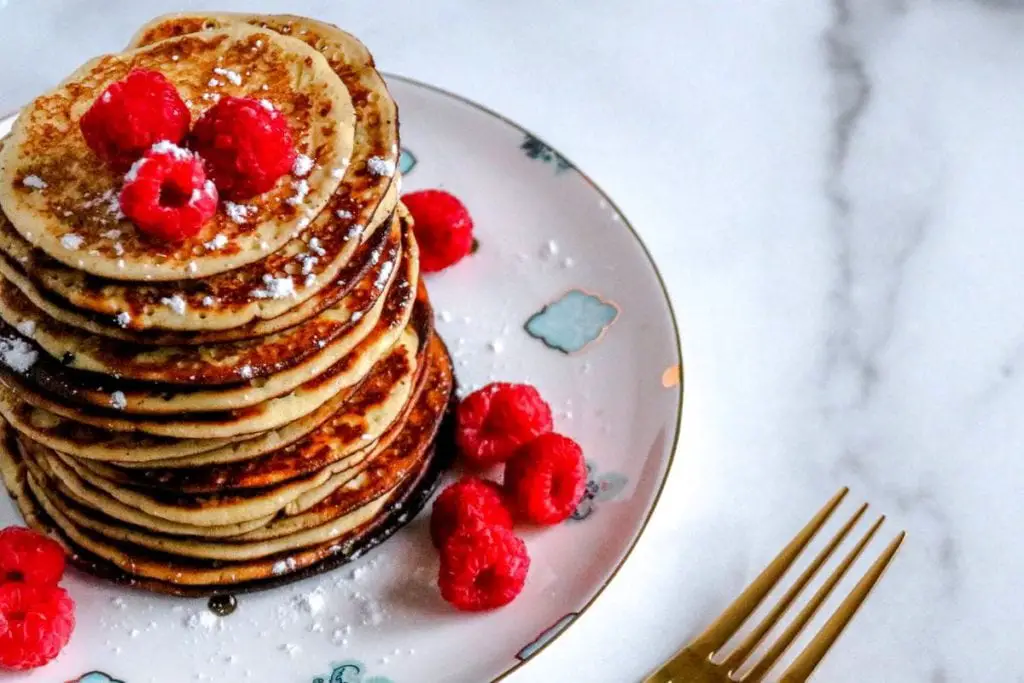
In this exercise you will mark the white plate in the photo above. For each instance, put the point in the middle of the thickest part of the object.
(562, 294)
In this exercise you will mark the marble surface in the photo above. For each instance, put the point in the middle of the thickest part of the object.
(830, 190)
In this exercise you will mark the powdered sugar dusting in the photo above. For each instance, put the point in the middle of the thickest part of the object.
(124, 319)
(168, 147)
(239, 213)
(17, 354)
(218, 241)
(26, 327)
(302, 166)
(381, 166)
(275, 288)
(301, 188)
(118, 400)
(176, 303)
(34, 182)
(71, 241)
(232, 76)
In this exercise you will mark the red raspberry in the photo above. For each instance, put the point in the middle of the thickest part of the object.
(493, 422)
(443, 227)
(30, 557)
(545, 479)
(246, 144)
(166, 193)
(483, 568)
(132, 115)
(35, 624)
(470, 503)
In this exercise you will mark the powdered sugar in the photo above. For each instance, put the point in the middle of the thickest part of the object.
(71, 241)
(312, 602)
(343, 215)
(233, 76)
(26, 327)
(239, 213)
(176, 152)
(301, 188)
(17, 354)
(202, 619)
(218, 241)
(245, 372)
(124, 319)
(302, 166)
(381, 166)
(176, 303)
(282, 566)
(118, 400)
(208, 300)
(208, 190)
(34, 182)
(133, 172)
(384, 275)
(315, 247)
(275, 288)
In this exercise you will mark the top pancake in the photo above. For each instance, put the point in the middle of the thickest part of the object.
(47, 145)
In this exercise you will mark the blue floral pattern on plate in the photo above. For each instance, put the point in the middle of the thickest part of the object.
(600, 487)
(406, 161)
(95, 677)
(350, 672)
(574, 321)
(539, 151)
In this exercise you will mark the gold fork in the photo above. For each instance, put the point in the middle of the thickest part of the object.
(697, 663)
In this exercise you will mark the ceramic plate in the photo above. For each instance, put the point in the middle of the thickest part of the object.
(560, 293)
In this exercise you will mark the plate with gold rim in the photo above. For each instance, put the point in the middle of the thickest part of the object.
(559, 292)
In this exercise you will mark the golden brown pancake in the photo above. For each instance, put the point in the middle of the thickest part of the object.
(46, 144)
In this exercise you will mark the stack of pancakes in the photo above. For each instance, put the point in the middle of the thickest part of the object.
(254, 404)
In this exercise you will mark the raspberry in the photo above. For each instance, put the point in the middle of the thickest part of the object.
(443, 228)
(470, 503)
(483, 568)
(493, 422)
(246, 144)
(545, 479)
(30, 557)
(166, 193)
(35, 624)
(132, 115)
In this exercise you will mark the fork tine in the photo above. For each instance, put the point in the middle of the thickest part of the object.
(802, 667)
(779, 647)
(742, 653)
(719, 632)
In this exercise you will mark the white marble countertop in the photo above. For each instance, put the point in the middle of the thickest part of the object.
(830, 189)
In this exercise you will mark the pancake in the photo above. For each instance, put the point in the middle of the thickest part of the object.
(46, 144)
(376, 406)
(134, 564)
(364, 198)
(59, 310)
(264, 416)
(214, 364)
(223, 414)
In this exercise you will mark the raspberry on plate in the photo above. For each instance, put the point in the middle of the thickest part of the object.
(443, 228)
(132, 115)
(545, 479)
(166, 193)
(246, 145)
(492, 422)
(483, 568)
(29, 557)
(469, 503)
(35, 624)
